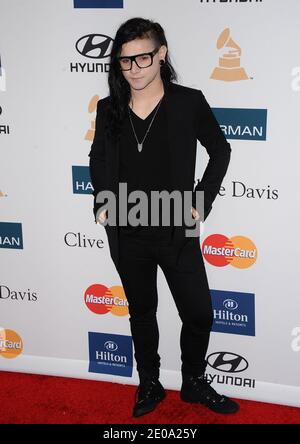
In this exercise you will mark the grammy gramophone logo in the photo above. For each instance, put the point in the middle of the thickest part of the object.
(229, 69)
(92, 106)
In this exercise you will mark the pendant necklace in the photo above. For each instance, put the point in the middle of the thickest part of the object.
(140, 144)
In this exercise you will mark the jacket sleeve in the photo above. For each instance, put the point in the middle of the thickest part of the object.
(212, 138)
(97, 158)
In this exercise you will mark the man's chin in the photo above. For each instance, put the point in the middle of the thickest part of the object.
(138, 85)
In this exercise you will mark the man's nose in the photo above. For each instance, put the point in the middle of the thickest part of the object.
(134, 67)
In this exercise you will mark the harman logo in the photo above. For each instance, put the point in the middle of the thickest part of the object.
(234, 312)
(110, 354)
(11, 235)
(242, 123)
(227, 362)
(98, 3)
(95, 47)
(238, 251)
(81, 180)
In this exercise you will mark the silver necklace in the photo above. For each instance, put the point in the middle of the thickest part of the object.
(140, 144)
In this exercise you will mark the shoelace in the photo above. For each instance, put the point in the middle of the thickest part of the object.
(207, 390)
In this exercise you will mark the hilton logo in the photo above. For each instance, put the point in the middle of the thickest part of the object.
(98, 4)
(234, 312)
(230, 304)
(110, 354)
(111, 345)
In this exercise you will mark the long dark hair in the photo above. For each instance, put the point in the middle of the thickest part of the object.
(119, 88)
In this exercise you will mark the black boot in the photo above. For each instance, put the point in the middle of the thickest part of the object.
(195, 389)
(148, 394)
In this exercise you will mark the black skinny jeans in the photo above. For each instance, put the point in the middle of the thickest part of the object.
(138, 272)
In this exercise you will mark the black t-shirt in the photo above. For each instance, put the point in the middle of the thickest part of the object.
(146, 170)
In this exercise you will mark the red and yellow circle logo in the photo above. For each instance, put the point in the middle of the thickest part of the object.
(11, 344)
(238, 251)
(101, 299)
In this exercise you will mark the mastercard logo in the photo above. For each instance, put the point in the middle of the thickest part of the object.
(101, 300)
(238, 251)
(11, 344)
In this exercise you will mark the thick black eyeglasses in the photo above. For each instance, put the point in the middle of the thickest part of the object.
(142, 60)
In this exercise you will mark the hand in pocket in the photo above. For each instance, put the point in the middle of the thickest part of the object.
(102, 216)
(195, 213)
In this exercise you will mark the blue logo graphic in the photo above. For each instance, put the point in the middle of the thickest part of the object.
(81, 180)
(98, 3)
(234, 312)
(110, 354)
(242, 123)
(11, 235)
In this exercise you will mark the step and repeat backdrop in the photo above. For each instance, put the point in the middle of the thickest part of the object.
(63, 310)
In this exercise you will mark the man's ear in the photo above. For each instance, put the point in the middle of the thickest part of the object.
(163, 51)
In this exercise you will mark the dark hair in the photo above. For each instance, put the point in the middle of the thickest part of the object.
(118, 86)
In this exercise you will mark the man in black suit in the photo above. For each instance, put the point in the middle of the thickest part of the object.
(155, 149)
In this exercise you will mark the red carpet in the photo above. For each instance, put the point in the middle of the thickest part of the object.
(38, 399)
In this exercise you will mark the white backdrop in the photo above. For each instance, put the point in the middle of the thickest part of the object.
(51, 321)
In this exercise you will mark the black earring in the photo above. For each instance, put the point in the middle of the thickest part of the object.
(162, 62)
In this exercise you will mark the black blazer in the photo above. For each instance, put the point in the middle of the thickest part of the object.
(194, 120)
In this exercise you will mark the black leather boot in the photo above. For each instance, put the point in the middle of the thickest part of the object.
(148, 394)
(195, 389)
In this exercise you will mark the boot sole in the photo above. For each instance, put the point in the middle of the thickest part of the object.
(185, 399)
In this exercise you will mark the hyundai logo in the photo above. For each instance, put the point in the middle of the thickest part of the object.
(94, 46)
(111, 346)
(227, 362)
(230, 304)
